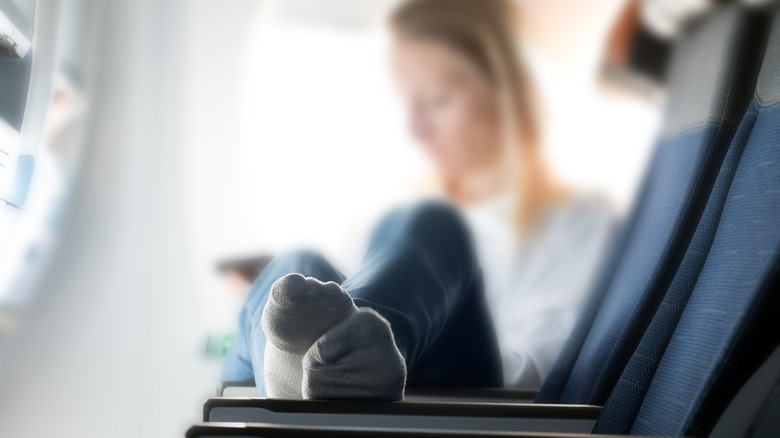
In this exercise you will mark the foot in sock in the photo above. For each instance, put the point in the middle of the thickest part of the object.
(299, 311)
(356, 359)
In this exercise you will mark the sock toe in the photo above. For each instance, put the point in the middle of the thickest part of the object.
(357, 359)
(299, 310)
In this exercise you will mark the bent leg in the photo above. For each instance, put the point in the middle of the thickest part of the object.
(421, 274)
(245, 356)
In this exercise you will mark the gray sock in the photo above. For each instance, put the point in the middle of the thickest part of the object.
(357, 359)
(298, 312)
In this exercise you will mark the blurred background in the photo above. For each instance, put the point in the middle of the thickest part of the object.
(148, 148)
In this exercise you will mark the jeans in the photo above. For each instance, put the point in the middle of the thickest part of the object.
(421, 274)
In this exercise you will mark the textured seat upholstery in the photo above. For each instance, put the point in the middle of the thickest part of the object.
(705, 341)
(714, 72)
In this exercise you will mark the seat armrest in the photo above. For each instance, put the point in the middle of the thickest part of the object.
(267, 430)
(418, 415)
(497, 395)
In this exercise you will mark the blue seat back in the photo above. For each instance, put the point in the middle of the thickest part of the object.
(730, 323)
(635, 378)
(714, 73)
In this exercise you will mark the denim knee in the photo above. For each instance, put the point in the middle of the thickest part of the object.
(440, 222)
(433, 227)
(438, 214)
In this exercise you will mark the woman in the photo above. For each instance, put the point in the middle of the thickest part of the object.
(416, 311)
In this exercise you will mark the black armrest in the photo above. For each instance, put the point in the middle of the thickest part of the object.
(217, 430)
(417, 415)
(498, 395)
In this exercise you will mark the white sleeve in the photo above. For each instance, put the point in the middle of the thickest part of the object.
(547, 308)
(530, 349)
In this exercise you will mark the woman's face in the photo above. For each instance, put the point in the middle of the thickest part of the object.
(452, 110)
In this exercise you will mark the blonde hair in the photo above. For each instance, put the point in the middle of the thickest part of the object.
(485, 33)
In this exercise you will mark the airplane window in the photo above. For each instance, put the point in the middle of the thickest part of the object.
(40, 144)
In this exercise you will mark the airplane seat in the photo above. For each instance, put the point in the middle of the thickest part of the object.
(636, 378)
(712, 79)
(729, 325)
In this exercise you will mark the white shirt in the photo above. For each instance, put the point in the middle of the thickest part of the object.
(536, 285)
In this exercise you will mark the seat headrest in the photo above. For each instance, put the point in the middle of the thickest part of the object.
(768, 88)
(715, 66)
